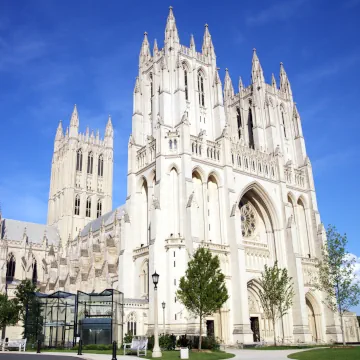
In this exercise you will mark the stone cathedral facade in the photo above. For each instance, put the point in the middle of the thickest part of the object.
(209, 166)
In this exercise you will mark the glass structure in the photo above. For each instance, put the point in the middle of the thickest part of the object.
(100, 317)
(53, 317)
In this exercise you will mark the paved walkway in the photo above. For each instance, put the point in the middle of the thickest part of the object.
(240, 354)
(262, 354)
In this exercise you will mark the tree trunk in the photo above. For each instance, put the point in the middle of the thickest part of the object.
(342, 329)
(273, 321)
(3, 332)
(200, 332)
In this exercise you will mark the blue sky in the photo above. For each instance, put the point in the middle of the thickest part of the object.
(54, 54)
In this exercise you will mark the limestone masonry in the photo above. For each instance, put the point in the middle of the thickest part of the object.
(208, 165)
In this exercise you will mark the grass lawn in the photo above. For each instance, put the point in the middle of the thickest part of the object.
(328, 354)
(215, 355)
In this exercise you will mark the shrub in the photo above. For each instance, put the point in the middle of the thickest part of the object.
(167, 342)
(192, 342)
(128, 338)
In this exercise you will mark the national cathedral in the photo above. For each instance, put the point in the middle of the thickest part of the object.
(209, 164)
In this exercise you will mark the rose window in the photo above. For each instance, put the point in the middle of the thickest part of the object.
(248, 220)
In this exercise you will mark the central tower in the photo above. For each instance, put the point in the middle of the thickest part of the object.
(81, 177)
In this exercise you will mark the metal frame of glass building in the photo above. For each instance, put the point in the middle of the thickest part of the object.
(97, 318)
(100, 317)
(58, 314)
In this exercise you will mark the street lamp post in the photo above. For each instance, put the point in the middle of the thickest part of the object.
(156, 350)
(163, 306)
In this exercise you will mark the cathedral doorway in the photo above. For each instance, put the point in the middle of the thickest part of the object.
(210, 328)
(255, 328)
(312, 321)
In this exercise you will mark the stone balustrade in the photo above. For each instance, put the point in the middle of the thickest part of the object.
(254, 161)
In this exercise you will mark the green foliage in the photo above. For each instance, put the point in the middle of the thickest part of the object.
(128, 338)
(9, 311)
(167, 342)
(30, 310)
(202, 290)
(276, 293)
(336, 276)
(192, 342)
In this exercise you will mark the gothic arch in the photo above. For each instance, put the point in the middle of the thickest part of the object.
(302, 200)
(202, 71)
(141, 182)
(314, 317)
(292, 197)
(265, 200)
(186, 65)
(200, 172)
(216, 176)
(173, 166)
(151, 177)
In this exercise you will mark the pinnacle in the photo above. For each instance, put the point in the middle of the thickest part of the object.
(74, 117)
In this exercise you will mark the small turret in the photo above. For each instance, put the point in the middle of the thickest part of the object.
(171, 32)
(155, 49)
(257, 74)
(273, 81)
(145, 50)
(59, 135)
(208, 47)
(241, 85)
(284, 81)
(192, 43)
(109, 130)
(74, 123)
(228, 86)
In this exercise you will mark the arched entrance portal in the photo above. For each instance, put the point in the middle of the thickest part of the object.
(312, 321)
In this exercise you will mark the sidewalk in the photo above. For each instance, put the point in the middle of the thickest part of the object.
(239, 354)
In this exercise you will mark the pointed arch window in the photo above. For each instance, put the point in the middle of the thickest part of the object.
(283, 123)
(131, 324)
(251, 130)
(239, 125)
(186, 84)
(201, 89)
(101, 165)
(34, 272)
(88, 207)
(10, 267)
(90, 163)
(79, 160)
(99, 209)
(77, 205)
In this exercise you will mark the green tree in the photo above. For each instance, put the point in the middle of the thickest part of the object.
(336, 276)
(30, 311)
(202, 290)
(276, 293)
(9, 311)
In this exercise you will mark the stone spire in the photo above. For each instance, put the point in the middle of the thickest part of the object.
(192, 43)
(137, 85)
(145, 49)
(228, 86)
(273, 81)
(171, 32)
(284, 81)
(109, 130)
(155, 49)
(256, 71)
(208, 47)
(241, 85)
(59, 132)
(74, 122)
